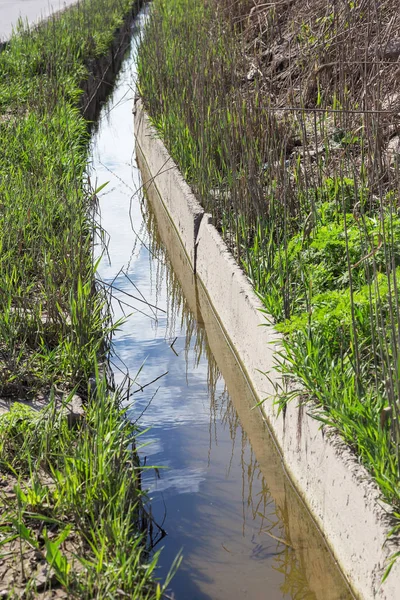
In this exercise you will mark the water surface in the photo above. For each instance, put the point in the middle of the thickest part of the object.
(219, 490)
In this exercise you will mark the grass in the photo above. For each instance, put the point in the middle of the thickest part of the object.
(78, 505)
(286, 136)
(73, 518)
(51, 323)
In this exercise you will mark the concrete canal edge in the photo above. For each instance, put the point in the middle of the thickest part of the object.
(340, 494)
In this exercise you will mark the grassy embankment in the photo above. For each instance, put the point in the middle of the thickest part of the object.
(285, 120)
(72, 506)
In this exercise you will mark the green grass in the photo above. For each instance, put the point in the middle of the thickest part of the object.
(305, 198)
(74, 495)
(51, 322)
(79, 502)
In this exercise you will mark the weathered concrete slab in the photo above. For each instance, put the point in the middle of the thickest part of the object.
(177, 197)
(30, 10)
(176, 252)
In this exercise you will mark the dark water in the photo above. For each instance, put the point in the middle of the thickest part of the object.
(219, 490)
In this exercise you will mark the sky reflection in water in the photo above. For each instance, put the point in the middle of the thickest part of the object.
(209, 491)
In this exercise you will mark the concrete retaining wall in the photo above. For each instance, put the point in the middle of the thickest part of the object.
(339, 492)
(181, 204)
(103, 70)
(312, 554)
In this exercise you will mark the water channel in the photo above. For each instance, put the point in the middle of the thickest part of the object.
(219, 490)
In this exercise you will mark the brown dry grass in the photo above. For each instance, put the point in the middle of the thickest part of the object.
(348, 48)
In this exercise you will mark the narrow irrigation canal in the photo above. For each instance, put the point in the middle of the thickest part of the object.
(219, 491)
